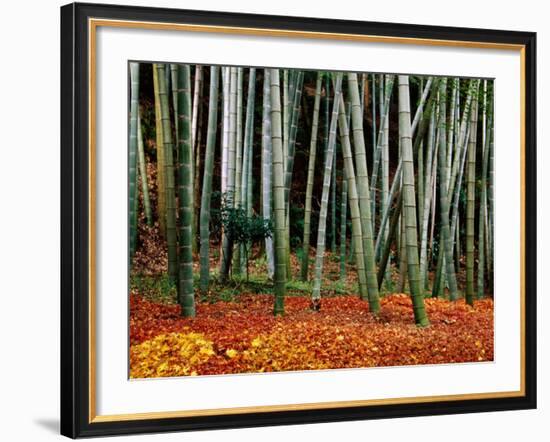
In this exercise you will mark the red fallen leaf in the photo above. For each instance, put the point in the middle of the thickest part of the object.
(302, 339)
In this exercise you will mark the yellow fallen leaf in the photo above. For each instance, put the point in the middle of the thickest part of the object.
(231, 353)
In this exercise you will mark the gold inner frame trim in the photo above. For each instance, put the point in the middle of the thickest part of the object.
(93, 24)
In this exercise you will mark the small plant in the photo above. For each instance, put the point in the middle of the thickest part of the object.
(241, 229)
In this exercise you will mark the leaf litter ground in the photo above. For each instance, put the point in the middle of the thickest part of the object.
(243, 336)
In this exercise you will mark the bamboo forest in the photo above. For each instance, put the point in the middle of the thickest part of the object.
(287, 219)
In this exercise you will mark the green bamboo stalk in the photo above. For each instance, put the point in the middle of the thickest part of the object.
(355, 213)
(429, 180)
(159, 144)
(409, 203)
(373, 111)
(266, 169)
(385, 180)
(143, 176)
(207, 180)
(238, 264)
(385, 254)
(310, 178)
(171, 233)
(470, 203)
(343, 225)
(380, 237)
(363, 192)
(490, 216)
(226, 79)
(296, 99)
(186, 294)
(483, 197)
(196, 134)
(278, 194)
(132, 156)
(227, 242)
(456, 195)
(419, 114)
(445, 233)
(451, 130)
(246, 196)
(196, 100)
(327, 179)
(423, 123)
(420, 181)
(171, 72)
(295, 94)
(462, 139)
(403, 270)
(333, 190)
(384, 115)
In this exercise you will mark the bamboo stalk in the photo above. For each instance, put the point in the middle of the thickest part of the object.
(327, 178)
(207, 180)
(310, 178)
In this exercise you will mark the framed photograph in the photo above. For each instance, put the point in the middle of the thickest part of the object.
(274, 220)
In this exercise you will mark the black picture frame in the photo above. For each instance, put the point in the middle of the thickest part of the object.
(75, 220)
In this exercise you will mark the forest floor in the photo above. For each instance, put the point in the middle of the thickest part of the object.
(234, 330)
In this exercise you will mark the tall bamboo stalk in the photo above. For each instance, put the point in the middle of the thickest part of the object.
(171, 72)
(278, 194)
(171, 233)
(186, 295)
(327, 178)
(207, 180)
(159, 144)
(196, 126)
(384, 115)
(227, 242)
(486, 140)
(226, 76)
(394, 190)
(296, 94)
(196, 100)
(238, 265)
(143, 176)
(132, 156)
(385, 253)
(470, 203)
(310, 178)
(409, 203)
(429, 179)
(245, 199)
(363, 192)
(355, 213)
(343, 225)
(445, 233)
(490, 205)
(266, 169)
